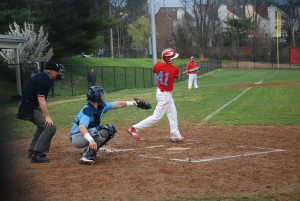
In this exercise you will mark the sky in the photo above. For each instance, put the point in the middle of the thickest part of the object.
(166, 3)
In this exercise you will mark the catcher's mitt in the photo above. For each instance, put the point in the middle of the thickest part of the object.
(142, 104)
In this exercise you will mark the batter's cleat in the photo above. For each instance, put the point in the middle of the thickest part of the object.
(183, 139)
(134, 134)
(87, 160)
(39, 158)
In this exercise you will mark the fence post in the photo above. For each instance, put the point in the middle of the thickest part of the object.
(115, 87)
(144, 77)
(134, 77)
(125, 77)
(72, 80)
(102, 81)
(87, 71)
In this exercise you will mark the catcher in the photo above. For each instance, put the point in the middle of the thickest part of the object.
(87, 132)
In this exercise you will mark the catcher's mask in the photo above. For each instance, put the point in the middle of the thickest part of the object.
(61, 72)
(96, 94)
(168, 55)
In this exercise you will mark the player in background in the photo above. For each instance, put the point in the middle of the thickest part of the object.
(166, 74)
(192, 75)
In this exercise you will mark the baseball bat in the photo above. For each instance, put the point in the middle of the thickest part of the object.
(191, 70)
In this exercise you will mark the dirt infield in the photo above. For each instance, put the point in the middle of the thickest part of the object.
(216, 161)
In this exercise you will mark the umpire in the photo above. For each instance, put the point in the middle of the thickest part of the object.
(33, 108)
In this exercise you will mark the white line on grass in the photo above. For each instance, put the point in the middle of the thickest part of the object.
(224, 106)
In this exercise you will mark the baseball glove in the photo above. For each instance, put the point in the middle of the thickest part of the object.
(142, 104)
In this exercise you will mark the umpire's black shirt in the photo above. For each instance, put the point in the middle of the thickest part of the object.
(39, 85)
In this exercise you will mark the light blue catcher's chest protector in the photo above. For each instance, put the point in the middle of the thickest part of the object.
(89, 116)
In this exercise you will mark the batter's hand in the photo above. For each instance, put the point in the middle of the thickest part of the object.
(48, 121)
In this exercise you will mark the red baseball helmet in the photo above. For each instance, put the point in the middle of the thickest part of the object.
(168, 55)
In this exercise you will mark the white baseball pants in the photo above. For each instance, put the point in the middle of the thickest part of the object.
(192, 79)
(165, 105)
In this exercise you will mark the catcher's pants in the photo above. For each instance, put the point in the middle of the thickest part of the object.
(192, 79)
(78, 141)
(165, 105)
(41, 139)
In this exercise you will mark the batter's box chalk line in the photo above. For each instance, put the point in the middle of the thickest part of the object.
(111, 149)
(203, 160)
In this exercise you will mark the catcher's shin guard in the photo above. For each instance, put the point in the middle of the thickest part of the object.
(88, 154)
(101, 135)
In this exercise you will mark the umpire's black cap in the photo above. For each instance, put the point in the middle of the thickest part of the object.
(52, 66)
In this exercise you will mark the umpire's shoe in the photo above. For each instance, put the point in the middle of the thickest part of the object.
(39, 157)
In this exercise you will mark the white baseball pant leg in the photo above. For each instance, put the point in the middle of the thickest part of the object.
(192, 79)
(165, 105)
(195, 80)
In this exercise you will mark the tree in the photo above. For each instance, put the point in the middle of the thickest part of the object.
(79, 26)
(13, 11)
(201, 29)
(139, 31)
(135, 9)
(292, 21)
(35, 49)
(74, 26)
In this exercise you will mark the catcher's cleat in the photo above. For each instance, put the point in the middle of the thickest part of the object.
(134, 134)
(183, 139)
(87, 160)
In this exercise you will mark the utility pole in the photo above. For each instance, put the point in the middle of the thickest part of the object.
(111, 39)
(153, 33)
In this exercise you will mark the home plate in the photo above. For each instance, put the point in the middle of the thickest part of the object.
(177, 149)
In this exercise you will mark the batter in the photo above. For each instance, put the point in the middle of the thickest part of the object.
(166, 74)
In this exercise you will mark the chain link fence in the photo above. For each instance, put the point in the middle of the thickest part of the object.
(262, 53)
(111, 78)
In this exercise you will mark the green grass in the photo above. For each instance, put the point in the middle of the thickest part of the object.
(259, 105)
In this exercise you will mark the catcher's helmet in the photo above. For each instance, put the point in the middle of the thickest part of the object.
(96, 94)
(168, 55)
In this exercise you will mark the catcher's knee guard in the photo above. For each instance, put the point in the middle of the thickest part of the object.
(102, 134)
(106, 133)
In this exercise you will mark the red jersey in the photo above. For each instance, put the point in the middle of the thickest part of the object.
(190, 65)
(166, 74)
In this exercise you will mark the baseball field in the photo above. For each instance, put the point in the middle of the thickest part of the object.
(243, 131)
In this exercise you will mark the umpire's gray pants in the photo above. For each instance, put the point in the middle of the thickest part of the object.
(41, 139)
